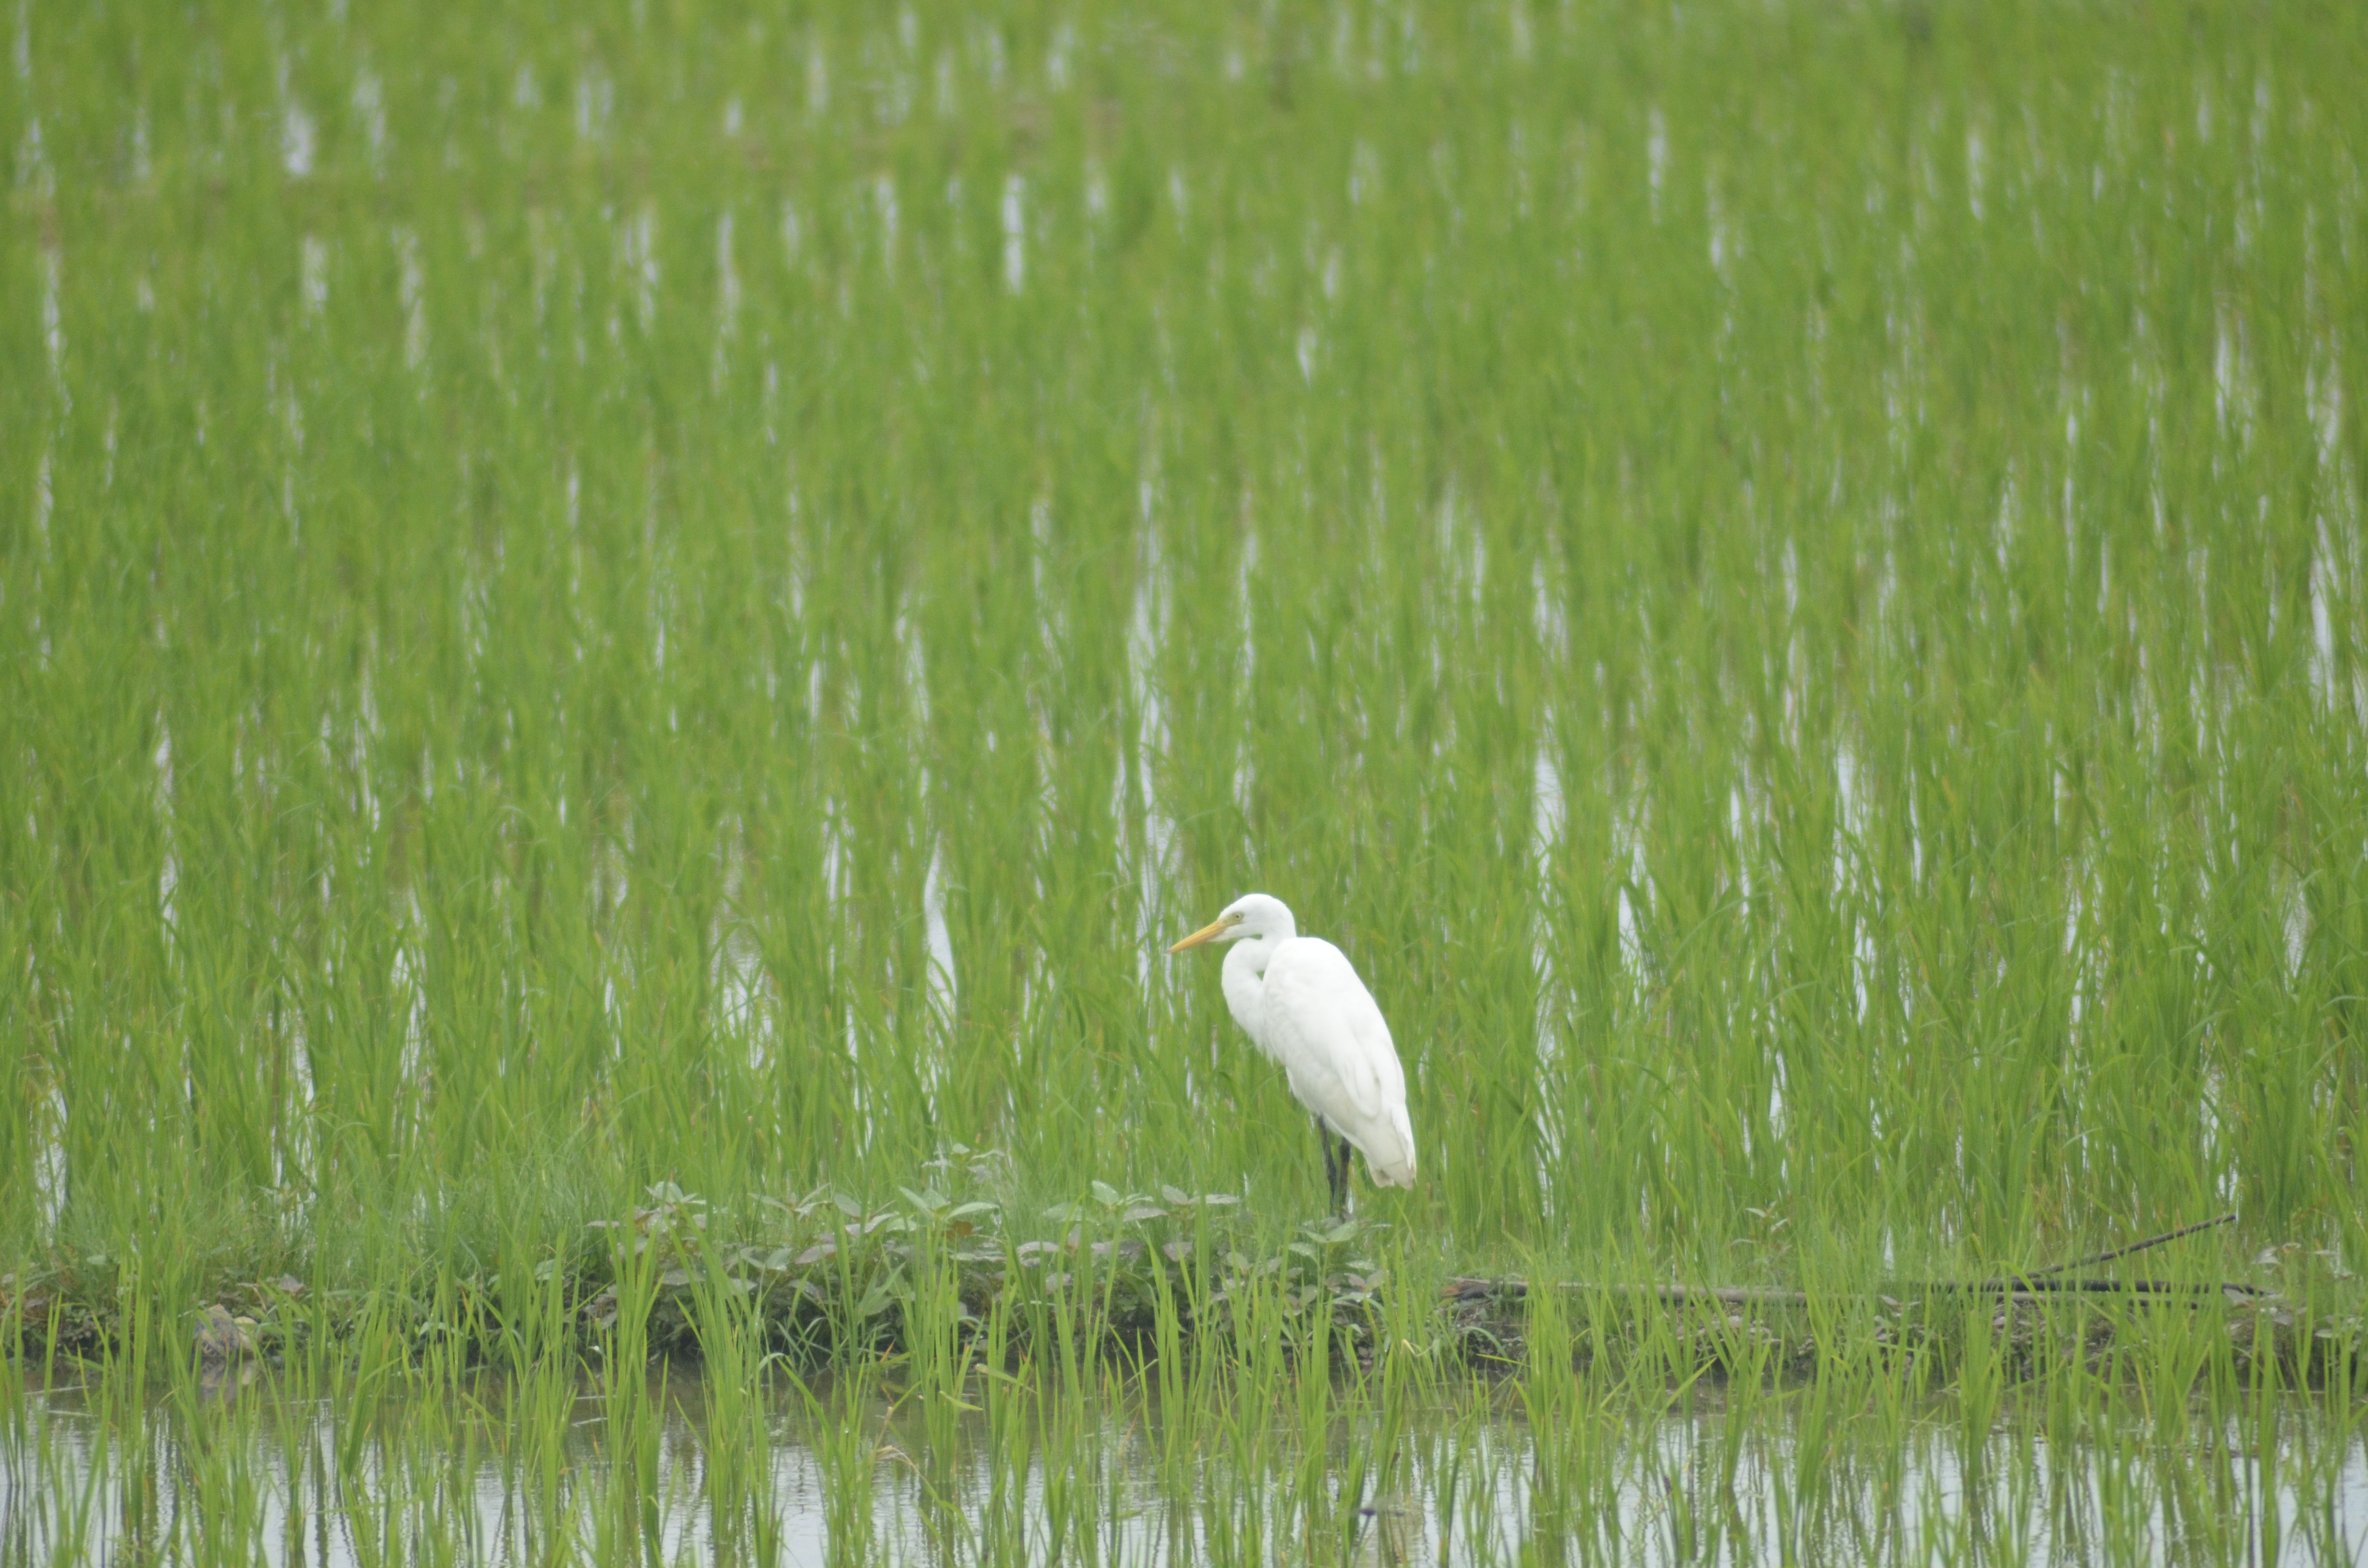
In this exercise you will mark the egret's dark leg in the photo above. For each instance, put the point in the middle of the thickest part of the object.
(1343, 1203)
(1335, 1168)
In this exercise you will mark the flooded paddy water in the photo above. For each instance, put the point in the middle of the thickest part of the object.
(1022, 1471)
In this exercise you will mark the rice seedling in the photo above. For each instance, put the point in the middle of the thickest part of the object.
(623, 636)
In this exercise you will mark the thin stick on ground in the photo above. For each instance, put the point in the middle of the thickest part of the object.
(2109, 1255)
(2037, 1284)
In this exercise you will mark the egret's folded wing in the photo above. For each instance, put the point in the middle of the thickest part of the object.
(1378, 1050)
(1327, 1026)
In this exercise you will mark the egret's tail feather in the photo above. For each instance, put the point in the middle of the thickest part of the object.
(1394, 1166)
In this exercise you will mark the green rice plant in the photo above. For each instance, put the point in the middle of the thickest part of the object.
(608, 621)
(1008, 1438)
(847, 1440)
(736, 1500)
(1502, 503)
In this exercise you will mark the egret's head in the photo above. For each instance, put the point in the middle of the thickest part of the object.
(1253, 916)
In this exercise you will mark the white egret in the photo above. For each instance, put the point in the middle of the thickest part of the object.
(1300, 1001)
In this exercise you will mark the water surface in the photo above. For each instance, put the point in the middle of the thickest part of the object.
(247, 1468)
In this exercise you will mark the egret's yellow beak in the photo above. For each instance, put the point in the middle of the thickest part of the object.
(1206, 932)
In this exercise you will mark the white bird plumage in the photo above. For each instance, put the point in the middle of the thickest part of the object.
(1300, 1001)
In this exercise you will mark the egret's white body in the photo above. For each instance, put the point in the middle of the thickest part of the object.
(1300, 1001)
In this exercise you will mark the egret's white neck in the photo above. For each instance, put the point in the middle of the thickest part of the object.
(1248, 958)
(1245, 978)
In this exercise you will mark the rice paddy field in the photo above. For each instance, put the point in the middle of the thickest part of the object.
(626, 630)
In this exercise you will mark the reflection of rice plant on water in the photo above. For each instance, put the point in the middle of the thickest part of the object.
(622, 640)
